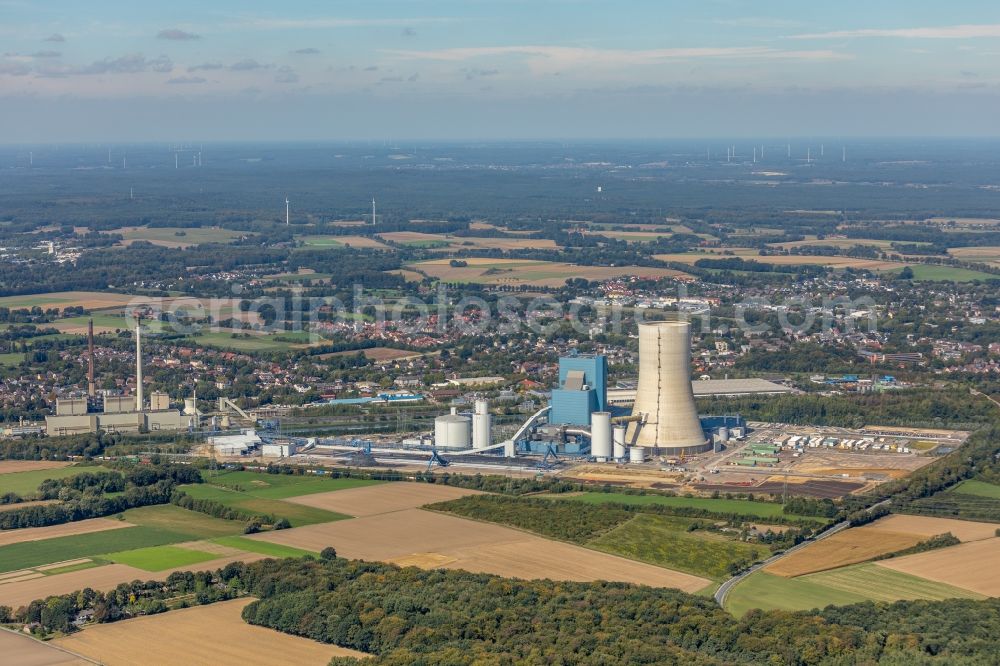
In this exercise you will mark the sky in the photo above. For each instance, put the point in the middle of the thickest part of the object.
(106, 70)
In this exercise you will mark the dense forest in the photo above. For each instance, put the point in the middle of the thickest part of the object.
(411, 616)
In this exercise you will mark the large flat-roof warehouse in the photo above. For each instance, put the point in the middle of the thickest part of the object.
(712, 387)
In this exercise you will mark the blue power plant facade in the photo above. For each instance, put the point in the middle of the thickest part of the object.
(583, 389)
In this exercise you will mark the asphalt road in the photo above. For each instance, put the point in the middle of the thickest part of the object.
(726, 588)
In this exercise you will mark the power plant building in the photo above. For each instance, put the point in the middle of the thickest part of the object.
(583, 389)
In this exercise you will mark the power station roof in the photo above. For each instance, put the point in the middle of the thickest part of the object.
(574, 380)
(710, 387)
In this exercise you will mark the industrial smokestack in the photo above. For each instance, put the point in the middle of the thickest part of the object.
(91, 387)
(481, 425)
(664, 399)
(138, 364)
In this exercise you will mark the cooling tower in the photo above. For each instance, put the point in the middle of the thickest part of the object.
(664, 400)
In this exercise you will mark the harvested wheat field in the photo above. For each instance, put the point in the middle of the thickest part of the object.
(925, 527)
(26, 651)
(383, 498)
(106, 577)
(12, 466)
(487, 270)
(971, 566)
(198, 636)
(66, 529)
(851, 546)
(427, 538)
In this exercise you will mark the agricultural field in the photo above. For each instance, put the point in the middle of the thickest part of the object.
(431, 540)
(88, 526)
(734, 506)
(933, 273)
(985, 255)
(13, 466)
(484, 270)
(249, 500)
(383, 498)
(282, 486)
(160, 558)
(851, 546)
(103, 323)
(176, 237)
(21, 649)
(26, 483)
(89, 300)
(793, 260)
(198, 636)
(970, 566)
(248, 342)
(848, 585)
(977, 489)
(366, 242)
(11, 359)
(665, 541)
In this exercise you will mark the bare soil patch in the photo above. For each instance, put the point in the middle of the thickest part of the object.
(198, 636)
(971, 566)
(8, 537)
(382, 498)
(851, 546)
(11, 466)
(426, 538)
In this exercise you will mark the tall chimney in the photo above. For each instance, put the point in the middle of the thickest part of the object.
(138, 364)
(91, 389)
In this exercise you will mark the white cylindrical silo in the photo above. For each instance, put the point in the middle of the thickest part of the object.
(618, 437)
(637, 454)
(723, 435)
(481, 425)
(664, 400)
(452, 431)
(600, 436)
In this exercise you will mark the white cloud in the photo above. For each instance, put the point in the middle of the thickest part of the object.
(943, 32)
(565, 56)
(273, 23)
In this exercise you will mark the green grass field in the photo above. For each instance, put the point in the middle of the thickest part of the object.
(767, 591)
(977, 489)
(191, 524)
(35, 553)
(664, 541)
(226, 341)
(159, 558)
(741, 507)
(26, 484)
(190, 235)
(297, 514)
(281, 486)
(881, 584)
(12, 359)
(262, 547)
(934, 273)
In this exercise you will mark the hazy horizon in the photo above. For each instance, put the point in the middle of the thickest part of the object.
(450, 70)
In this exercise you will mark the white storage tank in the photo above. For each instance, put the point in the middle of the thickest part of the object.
(452, 431)
(618, 437)
(722, 435)
(600, 436)
(190, 407)
(637, 454)
(481, 425)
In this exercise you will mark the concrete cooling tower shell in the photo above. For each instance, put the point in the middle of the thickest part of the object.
(664, 400)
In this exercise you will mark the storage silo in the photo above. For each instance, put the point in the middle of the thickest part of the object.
(600, 436)
(637, 454)
(481, 425)
(618, 438)
(452, 431)
(664, 400)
